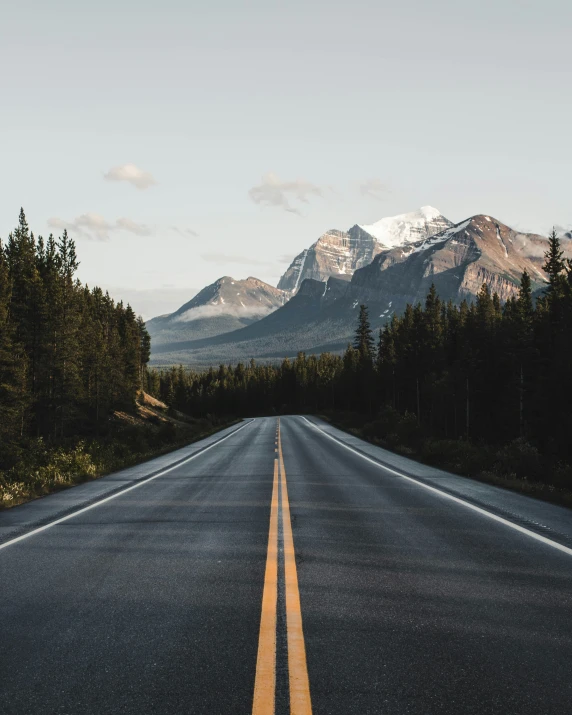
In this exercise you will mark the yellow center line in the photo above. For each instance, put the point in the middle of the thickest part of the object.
(265, 682)
(300, 702)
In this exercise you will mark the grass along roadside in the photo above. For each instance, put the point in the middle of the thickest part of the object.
(132, 438)
(517, 466)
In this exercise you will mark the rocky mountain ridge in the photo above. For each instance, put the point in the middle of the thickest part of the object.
(341, 253)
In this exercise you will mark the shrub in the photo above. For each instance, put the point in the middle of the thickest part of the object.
(522, 459)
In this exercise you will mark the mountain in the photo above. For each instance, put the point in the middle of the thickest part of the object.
(321, 316)
(223, 306)
(341, 253)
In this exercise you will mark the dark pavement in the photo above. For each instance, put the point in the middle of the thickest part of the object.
(411, 603)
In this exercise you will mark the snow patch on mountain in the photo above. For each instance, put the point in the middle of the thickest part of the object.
(440, 238)
(394, 231)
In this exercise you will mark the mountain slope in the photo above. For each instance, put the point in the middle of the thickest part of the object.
(458, 260)
(322, 316)
(223, 306)
(341, 253)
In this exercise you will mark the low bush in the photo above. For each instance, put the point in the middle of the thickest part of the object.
(42, 468)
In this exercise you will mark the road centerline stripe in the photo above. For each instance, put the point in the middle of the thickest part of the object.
(300, 701)
(281, 576)
(265, 681)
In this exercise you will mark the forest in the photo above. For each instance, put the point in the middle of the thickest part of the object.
(478, 387)
(71, 359)
(68, 354)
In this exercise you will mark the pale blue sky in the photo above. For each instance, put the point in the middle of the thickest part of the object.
(466, 107)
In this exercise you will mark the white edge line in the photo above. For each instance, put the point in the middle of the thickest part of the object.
(122, 492)
(490, 515)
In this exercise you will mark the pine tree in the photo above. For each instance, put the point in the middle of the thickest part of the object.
(554, 264)
(525, 305)
(363, 340)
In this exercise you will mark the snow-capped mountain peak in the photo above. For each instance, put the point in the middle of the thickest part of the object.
(394, 231)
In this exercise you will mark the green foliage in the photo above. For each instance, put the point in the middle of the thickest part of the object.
(69, 356)
(363, 340)
(554, 265)
(43, 468)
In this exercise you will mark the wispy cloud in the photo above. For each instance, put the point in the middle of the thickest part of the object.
(211, 311)
(286, 258)
(185, 232)
(96, 228)
(275, 192)
(230, 258)
(132, 175)
(374, 189)
(139, 229)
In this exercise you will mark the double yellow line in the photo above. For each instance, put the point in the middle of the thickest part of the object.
(265, 682)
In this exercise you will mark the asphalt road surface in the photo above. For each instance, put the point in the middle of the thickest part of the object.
(285, 567)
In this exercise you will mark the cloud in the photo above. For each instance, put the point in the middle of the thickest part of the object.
(88, 225)
(275, 192)
(211, 311)
(229, 258)
(563, 232)
(132, 175)
(373, 189)
(139, 229)
(95, 228)
(185, 232)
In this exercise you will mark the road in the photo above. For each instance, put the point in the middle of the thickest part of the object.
(285, 566)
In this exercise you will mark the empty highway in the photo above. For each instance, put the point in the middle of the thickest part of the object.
(285, 566)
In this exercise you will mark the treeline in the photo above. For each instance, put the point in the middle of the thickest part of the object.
(69, 355)
(481, 372)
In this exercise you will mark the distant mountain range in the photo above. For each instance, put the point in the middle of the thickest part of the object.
(315, 306)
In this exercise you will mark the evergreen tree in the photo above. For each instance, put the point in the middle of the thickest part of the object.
(525, 305)
(363, 341)
(554, 265)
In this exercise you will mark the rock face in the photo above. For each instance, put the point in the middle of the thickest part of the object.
(458, 260)
(341, 253)
(223, 306)
(336, 253)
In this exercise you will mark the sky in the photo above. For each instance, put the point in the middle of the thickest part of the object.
(182, 141)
